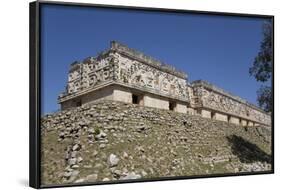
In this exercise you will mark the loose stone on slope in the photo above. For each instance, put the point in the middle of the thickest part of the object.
(131, 175)
(72, 161)
(76, 147)
(92, 177)
(113, 160)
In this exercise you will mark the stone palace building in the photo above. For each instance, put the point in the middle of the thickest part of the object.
(126, 75)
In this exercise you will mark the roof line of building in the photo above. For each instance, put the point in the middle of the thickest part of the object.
(137, 55)
(121, 48)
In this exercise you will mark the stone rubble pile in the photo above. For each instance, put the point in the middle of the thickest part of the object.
(109, 140)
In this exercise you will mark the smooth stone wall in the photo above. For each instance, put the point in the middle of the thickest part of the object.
(220, 117)
(234, 120)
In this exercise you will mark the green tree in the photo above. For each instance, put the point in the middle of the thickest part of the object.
(262, 68)
(265, 98)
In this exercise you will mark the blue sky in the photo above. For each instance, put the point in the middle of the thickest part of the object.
(219, 49)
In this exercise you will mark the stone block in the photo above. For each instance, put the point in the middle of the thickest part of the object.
(250, 123)
(190, 111)
(105, 93)
(205, 113)
(220, 117)
(256, 124)
(234, 120)
(122, 96)
(243, 122)
(155, 102)
(181, 108)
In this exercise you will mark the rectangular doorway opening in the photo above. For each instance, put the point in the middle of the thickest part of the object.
(228, 119)
(136, 99)
(213, 115)
(172, 106)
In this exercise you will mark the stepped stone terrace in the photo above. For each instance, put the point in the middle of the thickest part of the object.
(127, 75)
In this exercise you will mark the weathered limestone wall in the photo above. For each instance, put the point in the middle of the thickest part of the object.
(208, 96)
(122, 95)
(243, 122)
(234, 120)
(100, 94)
(155, 102)
(206, 113)
(190, 111)
(67, 104)
(181, 108)
(220, 117)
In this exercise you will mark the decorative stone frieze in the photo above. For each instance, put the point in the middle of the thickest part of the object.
(131, 68)
(214, 98)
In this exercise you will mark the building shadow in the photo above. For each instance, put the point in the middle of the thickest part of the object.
(246, 151)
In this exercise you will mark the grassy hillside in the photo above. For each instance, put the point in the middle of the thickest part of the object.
(117, 141)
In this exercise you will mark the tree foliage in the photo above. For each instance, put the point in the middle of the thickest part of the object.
(265, 98)
(262, 67)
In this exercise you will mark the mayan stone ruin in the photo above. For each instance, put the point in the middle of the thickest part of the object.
(127, 75)
(127, 116)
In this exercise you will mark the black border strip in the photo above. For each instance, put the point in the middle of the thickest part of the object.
(149, 9)
(35, 92)
(272, 91)
(34, 103)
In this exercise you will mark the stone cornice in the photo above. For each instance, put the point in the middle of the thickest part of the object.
(112, 82)
(83, 92)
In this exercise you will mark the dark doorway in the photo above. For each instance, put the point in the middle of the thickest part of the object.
(213, 115)
(172, 106)
(78, 103)
(136, 99)
(228, 119)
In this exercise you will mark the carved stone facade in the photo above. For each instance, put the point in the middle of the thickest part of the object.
(213, 99)
(124, 74)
